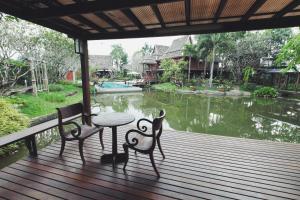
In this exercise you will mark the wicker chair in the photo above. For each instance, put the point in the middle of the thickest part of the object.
(142, 142)
(80, 132)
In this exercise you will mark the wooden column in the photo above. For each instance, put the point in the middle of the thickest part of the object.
(85, 79)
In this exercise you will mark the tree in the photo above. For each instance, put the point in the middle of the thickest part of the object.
(119, 56)
(211, 44)
(34, 44)
(291, 53)
(190, 50)
(147, 49)
(173, 70)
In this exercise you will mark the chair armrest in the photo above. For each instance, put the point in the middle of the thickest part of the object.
(143, 128)
(134, 141)
(89, 115)
(78, 127)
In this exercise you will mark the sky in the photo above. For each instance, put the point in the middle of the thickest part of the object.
(103, 47)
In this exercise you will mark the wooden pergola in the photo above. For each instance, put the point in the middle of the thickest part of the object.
(115, 19)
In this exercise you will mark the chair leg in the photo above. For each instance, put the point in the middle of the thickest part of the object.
(101, 138)
(62, 147)
(153, 164)
(81, 150)
(160, 149)
(125, 147)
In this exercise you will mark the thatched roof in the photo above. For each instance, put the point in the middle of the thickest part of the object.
(101, 62)
(176, 49)
(149, 59)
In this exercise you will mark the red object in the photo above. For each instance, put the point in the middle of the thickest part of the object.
(70, 76)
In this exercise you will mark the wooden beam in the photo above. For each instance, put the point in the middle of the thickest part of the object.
(84, 60)
(257, 4)
(287, 9)
(220, 9)
(202, 28)
(158, 16)
(109, 21)
(187, 4)
(90, 7)
(134, 19)
(77, 17)
(88, 23)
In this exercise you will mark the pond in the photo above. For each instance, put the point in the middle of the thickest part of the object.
(247, 117)
(256, 118)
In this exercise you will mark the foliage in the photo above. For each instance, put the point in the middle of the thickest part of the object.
(11, 121)
(173, 70)
(34, 106)
(147, 49)
(167, 87)
(266, 92)
(250, 87)
(36, 44)
(54, 97)
(119, 56)
(290, 53)
(55, 88)
(248, 72)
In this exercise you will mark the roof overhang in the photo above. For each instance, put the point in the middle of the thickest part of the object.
(115, 19)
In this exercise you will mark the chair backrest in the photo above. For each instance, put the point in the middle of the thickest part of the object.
(66, 112)
(157, 123)
(70, 111)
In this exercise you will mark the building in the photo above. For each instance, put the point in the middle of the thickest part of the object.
(101, 65)
(151, 63)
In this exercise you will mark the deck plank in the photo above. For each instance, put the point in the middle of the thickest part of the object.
(197, 166)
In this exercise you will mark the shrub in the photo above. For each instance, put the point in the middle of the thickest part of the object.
(266, 92)
(11, 121)
(54, 98)
(249, 87)
(55, 88)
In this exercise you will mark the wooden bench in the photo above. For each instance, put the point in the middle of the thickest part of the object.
(28, 135)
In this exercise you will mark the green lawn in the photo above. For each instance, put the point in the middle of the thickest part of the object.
(46, 103)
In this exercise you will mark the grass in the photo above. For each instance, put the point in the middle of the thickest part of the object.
(46, 103)
(167, 87)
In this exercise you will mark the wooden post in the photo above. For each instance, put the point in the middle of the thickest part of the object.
(33, 79)
(85, 80)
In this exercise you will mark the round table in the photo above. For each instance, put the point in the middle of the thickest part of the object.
(113, 120)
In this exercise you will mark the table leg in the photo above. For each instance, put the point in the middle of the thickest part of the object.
(114, 157)
(114, 144)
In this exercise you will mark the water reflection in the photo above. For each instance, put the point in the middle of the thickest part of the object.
(271, 119)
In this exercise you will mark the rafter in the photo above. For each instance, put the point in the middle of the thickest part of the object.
(287, 9)
(90, 7)
(134, 19)
(257, 4)
(187, 4)
(201, 29)
(78, 18)
(158, 15)
(220, 10)
(109, 21)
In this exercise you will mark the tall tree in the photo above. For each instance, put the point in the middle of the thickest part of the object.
(119, 56)
(211, 44)
(190, 50)
(147, 49)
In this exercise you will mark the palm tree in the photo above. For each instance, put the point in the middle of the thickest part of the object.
(210, 44)
(190, 50)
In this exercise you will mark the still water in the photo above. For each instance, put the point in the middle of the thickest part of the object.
(257, 118)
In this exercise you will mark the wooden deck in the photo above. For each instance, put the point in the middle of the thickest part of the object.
(197, 166)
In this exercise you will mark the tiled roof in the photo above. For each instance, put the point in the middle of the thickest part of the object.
(159, 50)
(149, 59)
